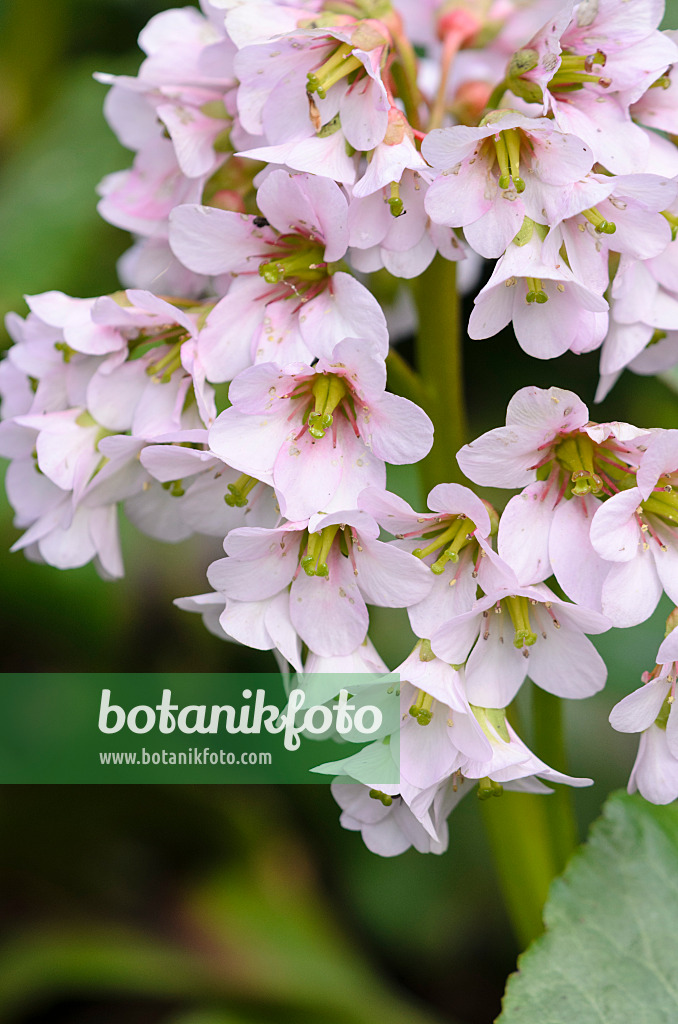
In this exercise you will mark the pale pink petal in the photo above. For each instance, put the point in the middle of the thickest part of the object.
(496, 668)
(212, 241)
(615, 533)
(306, 205)
(503, 457)
(345, 309)
(655, 773)
(306, 475)
(328, 612)
(577, 566)
(249, 443)
(396, 429)
(524, 528)
(639, 710)
(389, 577)
(631, 591)
(566, 664)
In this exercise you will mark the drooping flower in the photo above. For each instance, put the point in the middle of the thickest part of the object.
(649, 711)
(327, 571)
(509, 168)
(288, 301)
(551, 309)
(319, 434)
(566, 465)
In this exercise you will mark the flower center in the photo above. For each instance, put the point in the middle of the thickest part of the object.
(422, 708)
(328, 391)
(576, 454)
(456, 536)
(576, 69)
(338, 65)
(602, 226)
(240, 490)
(507, 148)
(296, 257)
(519, 611)
(535, 290)
(318, 545)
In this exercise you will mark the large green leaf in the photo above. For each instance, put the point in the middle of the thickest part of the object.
(609, 952)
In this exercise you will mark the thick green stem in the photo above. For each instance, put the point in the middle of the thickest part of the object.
(439, 362)
(403, 380)
(531, 836)
(549, 744)
(519, 839)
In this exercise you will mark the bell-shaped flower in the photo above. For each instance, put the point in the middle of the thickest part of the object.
(511, 760)
(452, 541)
(569, 465)
(388, 825)
(319, 434)
(327, 569)
(289, 301)
(391, 228)
(552, 311)
(509, 168)
(635, 531)
(649, 710)
(296, 90)
(515, 631)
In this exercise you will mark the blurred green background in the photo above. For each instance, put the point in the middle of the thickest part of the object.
(207, 905)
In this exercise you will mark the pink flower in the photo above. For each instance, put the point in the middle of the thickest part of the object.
(551, 309)
(649, 711)
(515, 631)
(404, 244)
(277, 78)
(286, 302)
(319, 434)
(566, 465)
(496, 175)
(452, 541)
(326, 590)
(635, 531)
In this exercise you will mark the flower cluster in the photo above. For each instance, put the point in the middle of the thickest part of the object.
(284, 152)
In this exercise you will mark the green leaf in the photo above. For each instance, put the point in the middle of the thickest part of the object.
(608, 954)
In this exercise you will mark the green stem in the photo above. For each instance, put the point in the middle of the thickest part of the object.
(403, 380)
(439, 362)
(549, 743)
(517, 829)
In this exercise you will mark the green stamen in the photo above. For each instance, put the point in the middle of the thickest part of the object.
(65, 349)
(602, 226)
(575, 455)
(328, 391)
(422, 708)
(175, 488)
(240, 490)
(518, 609)
(307, 263)
(386, 800)
(575, 69)
(535, 291)
(663, 504)
(168, 364)
(671, 218)
(488, 787)
(452, 540)
(314, 562)
(395, 202)
(340, 64)
(507, 148)
(664, 712)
